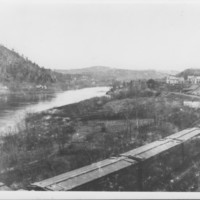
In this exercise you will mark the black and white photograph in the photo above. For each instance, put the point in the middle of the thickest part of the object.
(99, 96)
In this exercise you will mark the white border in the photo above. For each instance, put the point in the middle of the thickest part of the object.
(99, 195)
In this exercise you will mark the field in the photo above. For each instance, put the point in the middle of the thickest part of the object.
(65, 138)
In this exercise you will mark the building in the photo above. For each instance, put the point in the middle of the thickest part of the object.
(192, 104)
(194, 79)
(174, 80)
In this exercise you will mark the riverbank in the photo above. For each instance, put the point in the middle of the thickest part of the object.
(43, 89)
(13, 108)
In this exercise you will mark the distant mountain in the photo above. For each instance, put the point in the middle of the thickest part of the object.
(189, 72)
(169, 72)
(90, 70)
(107, 73)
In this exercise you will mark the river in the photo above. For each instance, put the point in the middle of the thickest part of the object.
(13, 108)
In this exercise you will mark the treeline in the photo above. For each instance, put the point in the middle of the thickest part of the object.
(14, 67)
(142, 88)
(135, 88)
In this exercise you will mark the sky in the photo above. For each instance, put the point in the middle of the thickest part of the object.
(139, 35)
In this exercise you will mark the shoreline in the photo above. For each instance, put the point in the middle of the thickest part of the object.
(48, 103)
(50, 90)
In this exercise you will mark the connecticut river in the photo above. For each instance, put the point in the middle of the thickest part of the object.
(13, 108)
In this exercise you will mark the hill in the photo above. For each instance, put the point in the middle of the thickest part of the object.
(14, 67)
(20, 73)
(189, 72)
(107, 73)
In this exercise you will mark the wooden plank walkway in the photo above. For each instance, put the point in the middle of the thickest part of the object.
(95, 171)
(85, 174)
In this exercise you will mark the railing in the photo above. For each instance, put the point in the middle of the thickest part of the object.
(140, 169)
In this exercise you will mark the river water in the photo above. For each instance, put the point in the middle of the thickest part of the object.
(13, 108)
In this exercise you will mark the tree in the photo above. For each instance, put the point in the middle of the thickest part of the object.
(151, 84)
(62, 132)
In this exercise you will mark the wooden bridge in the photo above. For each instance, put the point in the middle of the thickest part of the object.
(135, 170)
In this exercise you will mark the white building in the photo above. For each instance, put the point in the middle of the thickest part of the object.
(194, 79)
(192, 104)
(174, 80)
